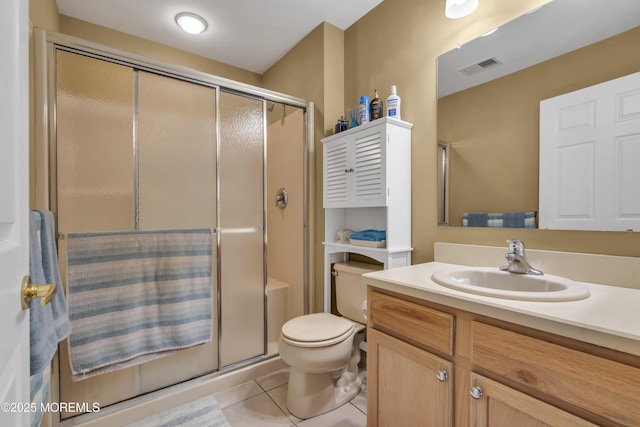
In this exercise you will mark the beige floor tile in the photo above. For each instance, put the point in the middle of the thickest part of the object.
(279, 395)
(345, 416)
(258, 411)
(274, 380)
(360, 401)
(237, 394)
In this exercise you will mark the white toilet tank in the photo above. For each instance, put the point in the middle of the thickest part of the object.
(351, 292)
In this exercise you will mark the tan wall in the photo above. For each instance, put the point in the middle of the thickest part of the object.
(312, 70)
(44, 14)
(493, 129)
(398, 43)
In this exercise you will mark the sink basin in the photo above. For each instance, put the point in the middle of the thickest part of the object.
(494, 282)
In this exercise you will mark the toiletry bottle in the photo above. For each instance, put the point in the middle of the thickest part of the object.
(376, 107)
(393, 104)
(343, 123)
(364, 109)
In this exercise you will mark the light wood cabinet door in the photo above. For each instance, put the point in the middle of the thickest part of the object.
(407, 386)
(496, 405)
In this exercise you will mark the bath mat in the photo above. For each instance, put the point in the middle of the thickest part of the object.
(203, 412)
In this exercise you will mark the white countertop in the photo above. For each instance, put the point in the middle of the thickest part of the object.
(610, 317)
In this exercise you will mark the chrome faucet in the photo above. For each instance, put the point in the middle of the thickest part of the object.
(517, 260)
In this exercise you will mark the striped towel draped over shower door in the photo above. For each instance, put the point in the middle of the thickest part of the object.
(135, 296)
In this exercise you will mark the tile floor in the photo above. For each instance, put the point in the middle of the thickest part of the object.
(261, 403)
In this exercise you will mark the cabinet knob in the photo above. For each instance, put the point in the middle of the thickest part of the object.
(442, 375)
(348, 170)
(475, 392)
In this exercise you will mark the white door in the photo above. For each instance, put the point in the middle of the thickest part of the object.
(589, 157)
(14, 247)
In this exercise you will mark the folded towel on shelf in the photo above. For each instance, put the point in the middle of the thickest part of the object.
(369, 235)
(136, 296)
(500, 220)
(49, 324)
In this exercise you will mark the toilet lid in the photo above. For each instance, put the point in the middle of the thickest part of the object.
(316, 327)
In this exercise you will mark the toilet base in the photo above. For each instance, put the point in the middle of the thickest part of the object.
(309, 394)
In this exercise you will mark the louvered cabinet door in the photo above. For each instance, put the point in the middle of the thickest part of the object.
(369, 177)
(336, 174)
(354, 169)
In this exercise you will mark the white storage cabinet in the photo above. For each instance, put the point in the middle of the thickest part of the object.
(367, 185)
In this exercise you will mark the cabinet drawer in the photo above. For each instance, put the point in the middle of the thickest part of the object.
(404, 319)
(601, 386)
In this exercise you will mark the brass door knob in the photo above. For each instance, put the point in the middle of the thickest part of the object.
(31, 291)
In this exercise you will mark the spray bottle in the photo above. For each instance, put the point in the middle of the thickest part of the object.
(364, 109)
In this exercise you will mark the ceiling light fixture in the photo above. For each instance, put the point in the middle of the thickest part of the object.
(488, 33)
(455, 9)
(191, 23)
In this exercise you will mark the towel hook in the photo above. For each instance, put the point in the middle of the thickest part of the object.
(31, 291)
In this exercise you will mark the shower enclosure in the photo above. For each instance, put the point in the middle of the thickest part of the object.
(137, 145)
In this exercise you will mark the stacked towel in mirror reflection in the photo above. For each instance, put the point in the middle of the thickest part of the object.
(500, 220)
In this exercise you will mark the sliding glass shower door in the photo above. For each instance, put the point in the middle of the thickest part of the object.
(242, 253)
(136, 150)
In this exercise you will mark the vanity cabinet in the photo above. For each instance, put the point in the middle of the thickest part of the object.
(367, 185)
(501, 374)
(408, 385)
(402, 376)
(496, 405)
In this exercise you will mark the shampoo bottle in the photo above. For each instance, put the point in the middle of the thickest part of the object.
(393, 104)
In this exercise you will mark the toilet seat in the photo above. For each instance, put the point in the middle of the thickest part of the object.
(317, 330)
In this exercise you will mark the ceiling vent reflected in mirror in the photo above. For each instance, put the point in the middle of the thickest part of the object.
(478, 67)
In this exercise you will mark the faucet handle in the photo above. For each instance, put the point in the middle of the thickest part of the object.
(516, 247)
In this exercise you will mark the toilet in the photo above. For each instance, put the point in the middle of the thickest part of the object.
(323, 350)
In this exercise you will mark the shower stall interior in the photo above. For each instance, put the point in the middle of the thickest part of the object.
(135, 145)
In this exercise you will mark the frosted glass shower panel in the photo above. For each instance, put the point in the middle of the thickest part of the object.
(177, 189)
(241, 221)
(94, 101)
(177, 153)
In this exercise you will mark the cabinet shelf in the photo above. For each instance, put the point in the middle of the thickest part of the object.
(362, 250)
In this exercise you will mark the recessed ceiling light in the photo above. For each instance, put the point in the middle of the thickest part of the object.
(191, 23)
(455, 9)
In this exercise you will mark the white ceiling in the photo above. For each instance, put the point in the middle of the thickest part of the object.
(250, 34)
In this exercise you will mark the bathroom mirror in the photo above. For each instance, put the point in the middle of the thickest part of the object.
(489, 92)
